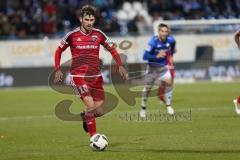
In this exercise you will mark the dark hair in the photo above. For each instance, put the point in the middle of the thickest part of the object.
(88, 10)
(161, 25)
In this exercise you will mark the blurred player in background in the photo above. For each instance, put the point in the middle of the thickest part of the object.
(86, 79)
(160, 67)
(237, 101)
(162, 84)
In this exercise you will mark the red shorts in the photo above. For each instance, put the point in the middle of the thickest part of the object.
(90, 86)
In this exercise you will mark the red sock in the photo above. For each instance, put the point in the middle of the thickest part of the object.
(238, 99)
(91, 123)
(161, 92)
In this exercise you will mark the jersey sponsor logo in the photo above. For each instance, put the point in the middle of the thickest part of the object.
(161, 50)
(148, 49)
(94, 38)
(87, 47)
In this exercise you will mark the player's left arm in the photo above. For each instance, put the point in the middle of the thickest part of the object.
(171, 51)
(237, 38)
(173, 45)
(108, 44)
(57, 59)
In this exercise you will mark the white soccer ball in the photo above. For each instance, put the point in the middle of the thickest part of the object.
(98, 142)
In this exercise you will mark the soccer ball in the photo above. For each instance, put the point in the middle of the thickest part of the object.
(98, 142)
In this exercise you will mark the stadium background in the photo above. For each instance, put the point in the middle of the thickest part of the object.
(30, 31)
(207, 79)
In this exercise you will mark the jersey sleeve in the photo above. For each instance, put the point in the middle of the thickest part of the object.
(109, 45)
(172, 44)
(149, 51)
(61, 47)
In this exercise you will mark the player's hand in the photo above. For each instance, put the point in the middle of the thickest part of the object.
(238, 45)
(237, 38)
(123, 72)
(58, 77)
(161, 54)
(237, 33)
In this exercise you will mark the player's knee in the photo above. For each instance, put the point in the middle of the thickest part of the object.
(89, 103)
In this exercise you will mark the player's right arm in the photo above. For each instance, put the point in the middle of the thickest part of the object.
(149, 51)
(237, 38)
(59, 75)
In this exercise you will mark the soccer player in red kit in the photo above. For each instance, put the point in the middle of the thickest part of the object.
(86, 79)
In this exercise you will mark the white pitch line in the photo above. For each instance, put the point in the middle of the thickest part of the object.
(205, 108)
(179, 110)
(26, 117)
(54, 116)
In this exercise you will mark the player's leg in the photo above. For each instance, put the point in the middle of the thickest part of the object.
(167, 78)
(98, 95)
(168, 98)
(89, 117)
(150, 78)
(162, 87)
(161, 92)
(83, 91)
(145, 92)
(97, 103)
(98, 111)
(169, 92)
(169, 83)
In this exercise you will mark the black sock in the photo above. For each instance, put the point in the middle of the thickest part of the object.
(82, 114)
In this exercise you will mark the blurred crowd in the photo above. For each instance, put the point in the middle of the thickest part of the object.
(36, 18)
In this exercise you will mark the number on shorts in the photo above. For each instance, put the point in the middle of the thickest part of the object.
(83, 89)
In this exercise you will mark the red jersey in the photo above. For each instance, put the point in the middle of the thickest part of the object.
(85, 51)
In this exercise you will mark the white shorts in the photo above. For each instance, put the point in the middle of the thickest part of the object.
(158, 73)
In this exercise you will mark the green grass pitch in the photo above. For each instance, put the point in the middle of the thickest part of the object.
(29, 129)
